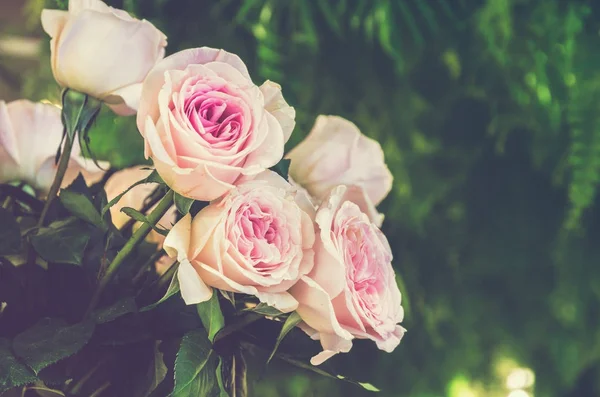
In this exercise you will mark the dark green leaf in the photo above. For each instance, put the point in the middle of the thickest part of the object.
(79, 185)
(12, 372)
(157, 371)
(172, 290)
(152, 178)
(230, 296)
(303, 365)
(282, 168)
(81, 206)
(62, 242)
(119, 308)
(10, 234)
(211, 315)
(220, 380)
(232, 375)
(265, 310)
(183, 204)
(195, 367)
(51, 340)
(290, 323)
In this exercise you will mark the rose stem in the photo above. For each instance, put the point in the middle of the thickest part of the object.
(63, 163)
(161, 208)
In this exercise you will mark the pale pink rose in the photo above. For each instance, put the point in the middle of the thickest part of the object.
(103, 52)
(351, 291)
(335, 152)
(257, 240)
(136, 198)
(207, 126)
(30, 134)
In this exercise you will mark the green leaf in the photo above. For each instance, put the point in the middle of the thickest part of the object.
(290, 323)
(195, 366)
(282, 168)
(172, 290)
(303, 365)
(265, 310)
(82, 207)
(183, 204)
(138, 216)
(62, 242)
(10, 234)
(12, 372)
(51, 340)
(135, 214)
(119, 308)
(211, 316)
(152, 178)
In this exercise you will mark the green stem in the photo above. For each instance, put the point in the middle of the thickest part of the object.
(163, 206)
(63, 163)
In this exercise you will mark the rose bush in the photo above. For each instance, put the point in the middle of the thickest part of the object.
(351, 291)
(256, 240)
(90, 39)
(207, 126)
(335, 152)
(30, 134)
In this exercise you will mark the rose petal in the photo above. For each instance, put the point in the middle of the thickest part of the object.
(53, 21)
(278, 107)
(193, 289)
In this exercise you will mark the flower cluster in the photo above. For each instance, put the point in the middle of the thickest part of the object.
(308, 242)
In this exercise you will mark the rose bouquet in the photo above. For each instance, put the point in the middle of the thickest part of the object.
(164, 279)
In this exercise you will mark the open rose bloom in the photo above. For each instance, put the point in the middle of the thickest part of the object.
(102, 51)
(30, 134)
(207, 126)
(351, 291)
(257, 240)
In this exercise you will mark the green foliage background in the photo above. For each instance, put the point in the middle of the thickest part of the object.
(488, 115)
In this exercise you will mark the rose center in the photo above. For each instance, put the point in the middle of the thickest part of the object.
(363, 274)
(261, 236)
(214, 118)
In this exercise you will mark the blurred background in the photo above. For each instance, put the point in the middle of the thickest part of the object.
(488, 112)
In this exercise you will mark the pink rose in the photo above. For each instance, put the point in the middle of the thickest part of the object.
(30, 134)
(135, 198)
(351, 291)
(335, 152)
(207, 126)
(256, 240)
(103, 52)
